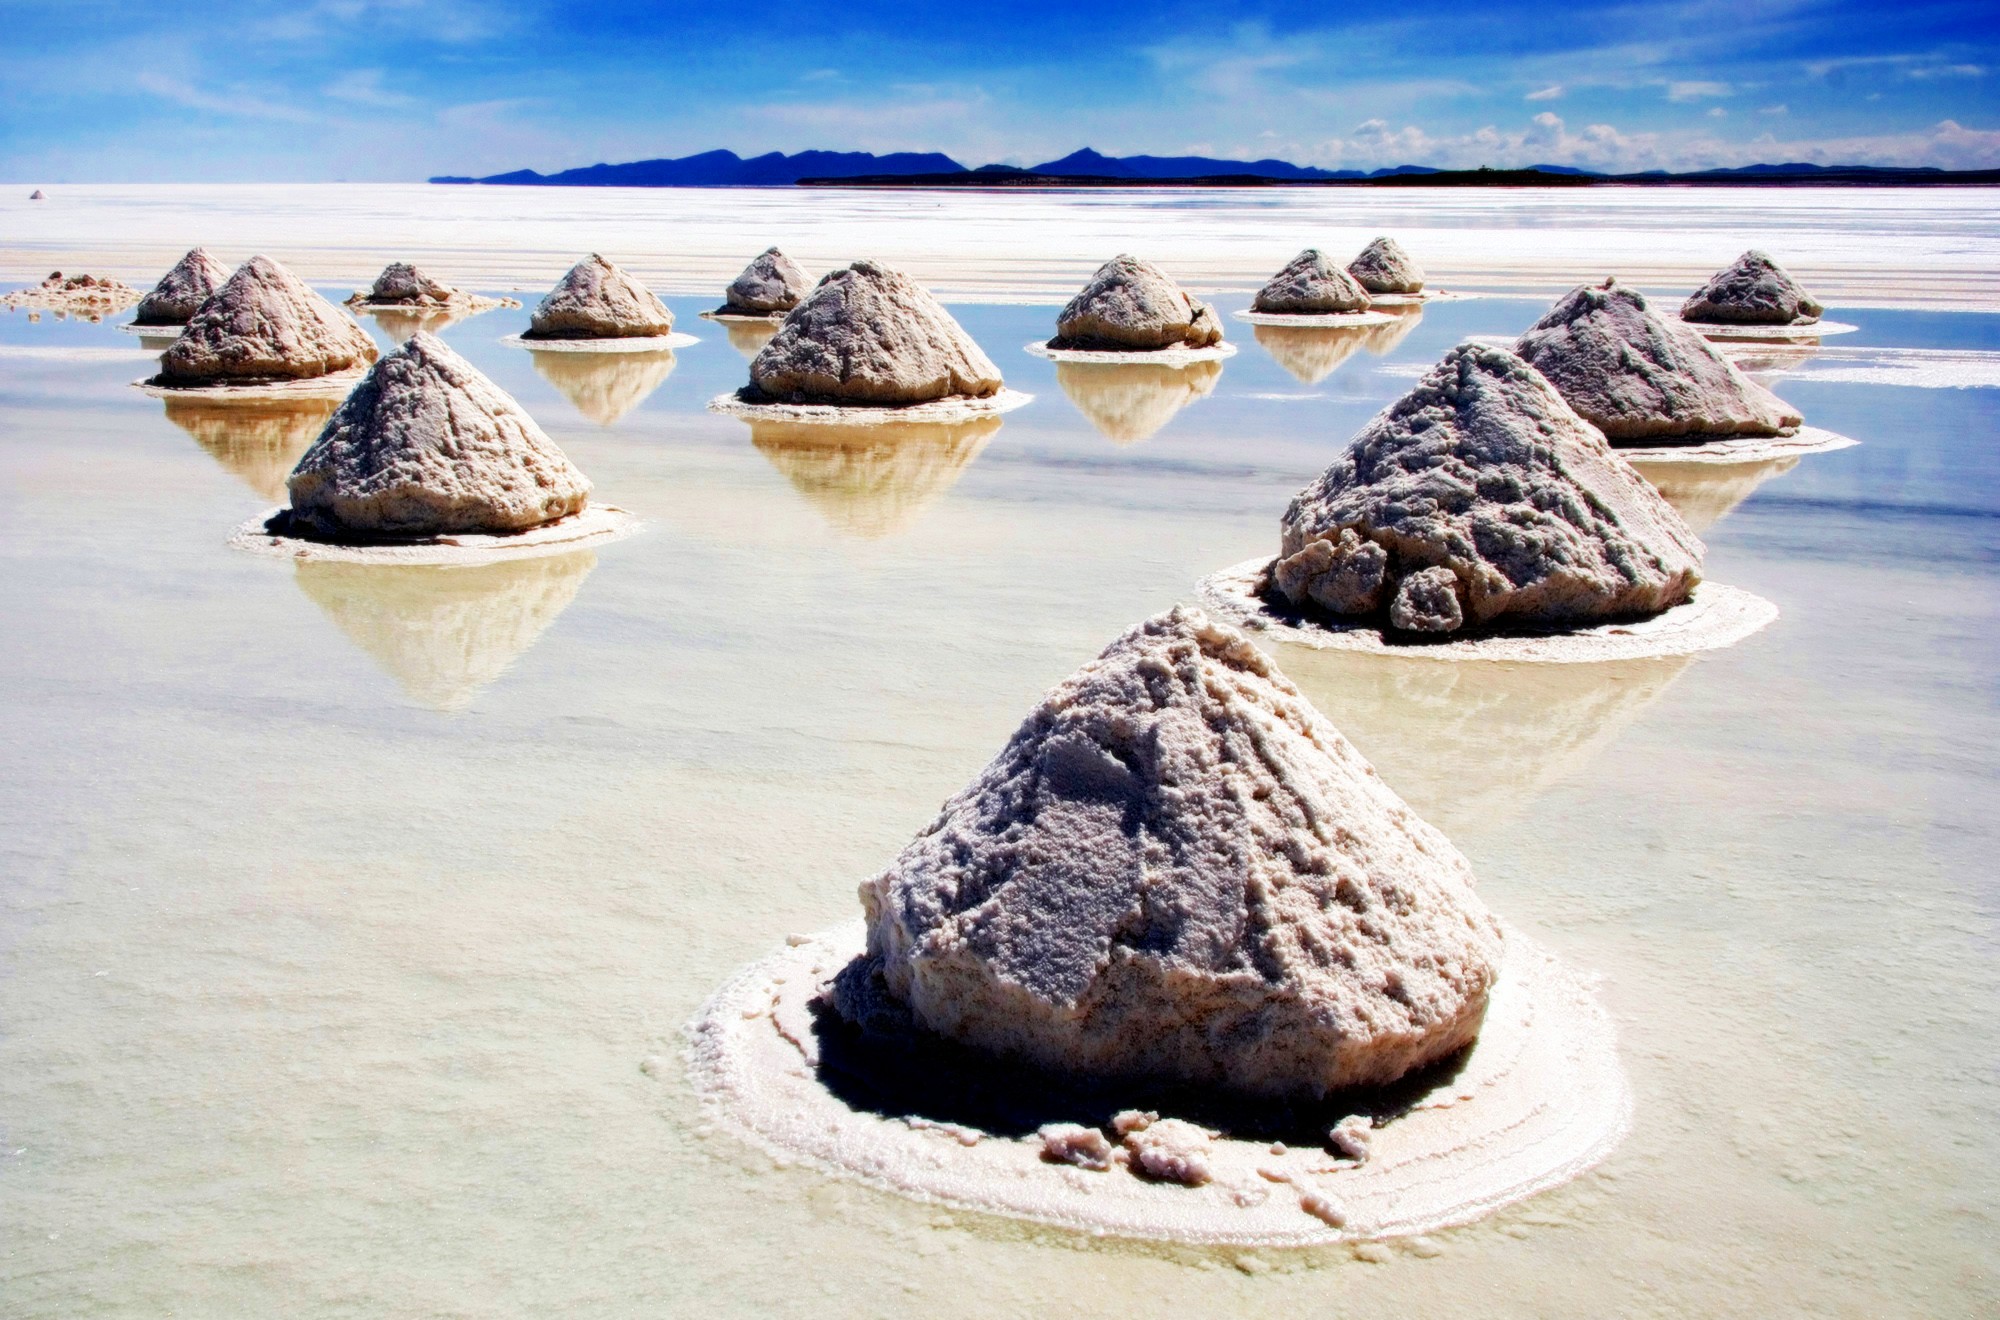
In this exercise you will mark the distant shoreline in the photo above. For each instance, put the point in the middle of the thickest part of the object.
(1482, 178)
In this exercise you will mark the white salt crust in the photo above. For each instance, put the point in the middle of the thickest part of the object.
(1541, 1099)
(934, 410)
(747, 318)
(1166, 357)
(595, 525)
(152, 331)
(1770, 334)
(1742, 449)
(630, 344)
(1418, 298)
(1717, 616)
(1319, 319)
(469, 305)
(334, 385)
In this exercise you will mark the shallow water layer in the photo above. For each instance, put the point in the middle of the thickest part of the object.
(348, 923)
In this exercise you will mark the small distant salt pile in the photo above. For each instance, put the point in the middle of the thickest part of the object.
(1637, 376)
(182, 290)
(90, 296)
(263, 324)
(1311, 285)
(38, 196)
(1383, 267)
(770, 285)
(598, 300)
(403, 285)
(426, 446)
(1131, 305)
(1177, 869)
(1480, 497)
(1755, 290)
(871, 335)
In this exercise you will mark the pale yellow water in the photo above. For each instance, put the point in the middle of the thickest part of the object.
(348, 927)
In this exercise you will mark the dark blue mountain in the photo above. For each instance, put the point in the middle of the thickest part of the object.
(712, 169)
(1090, 164)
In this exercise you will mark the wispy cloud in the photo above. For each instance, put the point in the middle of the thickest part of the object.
(231, 101)
(1697, 90)
(1549, 93)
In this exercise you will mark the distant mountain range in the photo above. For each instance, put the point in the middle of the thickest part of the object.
(1087, 168)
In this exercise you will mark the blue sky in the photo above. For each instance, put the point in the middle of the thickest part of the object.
(400, 89)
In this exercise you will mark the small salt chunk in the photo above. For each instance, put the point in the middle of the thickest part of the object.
(795, 940)
(1171, 1150)
(1270, 1174)
(1128, 1121)
(1247, 1197)
(1372, 1252)
(1073, 1143)
(1351, 1136)
(1322, 1207)
(1277, 1148)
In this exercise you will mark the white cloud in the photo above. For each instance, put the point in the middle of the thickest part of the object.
(1549, 93)
(364, 87)
(1695, 91)
(1717, 112)
(237, 102)
(1779, 109)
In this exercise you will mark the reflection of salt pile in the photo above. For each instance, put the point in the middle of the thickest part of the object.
(1177, 869)
(597, 299)
(1753, 290)
(259, 440)
(1311, 284)
(264, 324)
(427, 446)
(1472, 746)
(605, 386)
(1383, 267)
(1311, 352)
(400, 323)
(1706, 492)
(749, 337)
(872, 481)
(1639, 377)
(442, 632)
(1480, 498)
(1131, 305)
(871, 335)
(1130, 401)
(1384, 338)
(182, 290)
(771, 285)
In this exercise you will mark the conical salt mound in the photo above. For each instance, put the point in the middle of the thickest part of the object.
(1133, 305)
(264, 323)
(1311, 285)
(1383, 267)
(871, 335)
(1177, 869)
(771, 283)
(1754, 291)
(1481, 498)
(597, 300)
(1637, 376)
(427, 446)
(182, 290)
(403, 285)
(1130, 401)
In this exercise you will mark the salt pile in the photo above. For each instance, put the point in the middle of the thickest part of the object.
(182, 290)
(1177, 869)
(38, 196)
(1638, 376)
(770, 286)
(427, 446)
(1131, 305)
(403, 287)
(871, 335)
(1754, 290)
(1311, 285)
(1479, 498)
(91, 297)
(264, 324)
(598, 300)
(1383, 267)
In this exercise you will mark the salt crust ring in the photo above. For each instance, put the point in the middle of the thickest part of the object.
(595, 524)
(629, 344)
(1770, 334)
(1716, 617)
(333, 385)
(953, 409)
(1178, 356)
(1541, 1098)
(1315, 319)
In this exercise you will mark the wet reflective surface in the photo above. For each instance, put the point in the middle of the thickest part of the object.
(350, 918)
(604, 386)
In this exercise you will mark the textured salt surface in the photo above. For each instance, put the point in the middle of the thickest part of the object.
(1166, 357)
(936, 410)
(1540, 1099)
(1744, 449)
(632, 344)
(1717, 616)
(1318, 319)
(597, 524)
